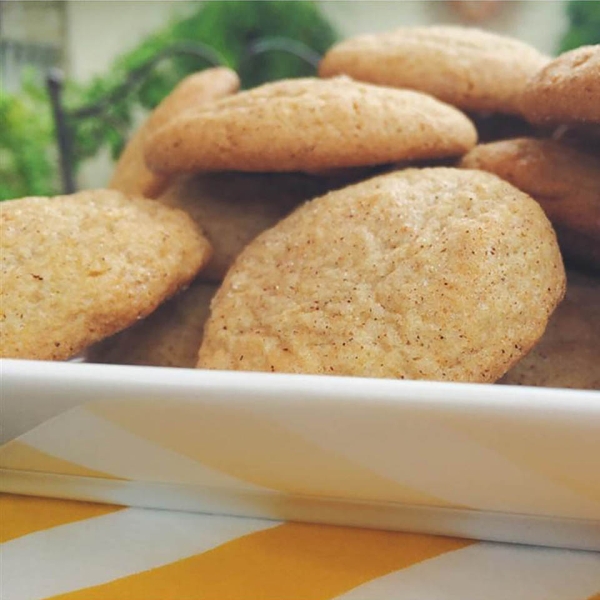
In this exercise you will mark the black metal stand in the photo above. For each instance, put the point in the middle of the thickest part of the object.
(55, 81)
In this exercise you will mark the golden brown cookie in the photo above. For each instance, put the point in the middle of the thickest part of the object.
(78, 268)
(309, 125)
(469, 68)
(441, 273)
(131, 174)
(169, 337)
(233, 208)
(566, 90)
(564, 180)
(568, 355)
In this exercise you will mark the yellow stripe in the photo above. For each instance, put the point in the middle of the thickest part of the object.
(246, 449)
(23, 457)
(311, 562)
(21, 515)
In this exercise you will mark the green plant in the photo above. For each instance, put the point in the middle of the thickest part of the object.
(584, 24)
(27, 161)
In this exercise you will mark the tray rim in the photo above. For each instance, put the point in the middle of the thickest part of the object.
(432, 393)
(238, 388)
(574, 408)
(513, 528)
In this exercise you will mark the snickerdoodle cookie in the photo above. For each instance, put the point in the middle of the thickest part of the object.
(469, 68)
(169, 337)
(78, 268)
(440, 273)
(564, 180)
(309, 125)
(568, 355)
(131, 174)
(567, 90)
(233, 208)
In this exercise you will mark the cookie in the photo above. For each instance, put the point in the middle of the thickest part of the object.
(440, 273)
(131, 174)
(78, 268)
(233, 208)
(564, 180)
(169, 337)
(472, 69)
(567, 90)
(309, 125)
(568, 354)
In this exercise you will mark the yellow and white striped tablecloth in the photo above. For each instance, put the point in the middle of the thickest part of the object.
(80, 551)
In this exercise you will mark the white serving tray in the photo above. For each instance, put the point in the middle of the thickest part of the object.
(502, 463)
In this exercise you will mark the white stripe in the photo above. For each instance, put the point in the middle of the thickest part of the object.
(493, 572)
(414, 450)
(86, 439)
(98, 550)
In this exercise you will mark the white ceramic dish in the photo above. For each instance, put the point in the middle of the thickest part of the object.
(484, 461)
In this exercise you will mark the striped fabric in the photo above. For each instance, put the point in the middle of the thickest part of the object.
(75, 550)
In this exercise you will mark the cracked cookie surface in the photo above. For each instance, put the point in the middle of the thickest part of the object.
(440, 273)
(78, 268)
(310, 125)
(567, 90)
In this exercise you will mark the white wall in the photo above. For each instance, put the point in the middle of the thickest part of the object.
(98, 31)
(538, 22)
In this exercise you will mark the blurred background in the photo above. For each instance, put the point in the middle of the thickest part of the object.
(109, 63)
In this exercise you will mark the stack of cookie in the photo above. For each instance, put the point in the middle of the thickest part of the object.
(563, 174)
(336, 245)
